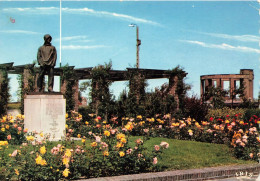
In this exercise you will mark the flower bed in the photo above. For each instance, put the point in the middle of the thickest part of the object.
(241, 135)
(103, 153)
(104, 148)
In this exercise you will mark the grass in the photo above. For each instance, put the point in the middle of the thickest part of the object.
(14, 105)
(181, 154)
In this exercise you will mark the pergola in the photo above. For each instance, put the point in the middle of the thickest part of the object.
(85, 73)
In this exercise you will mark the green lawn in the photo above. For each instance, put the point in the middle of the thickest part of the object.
(191, 154)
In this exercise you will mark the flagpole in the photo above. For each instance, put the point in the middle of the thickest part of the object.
(60, 45)
(60, 33)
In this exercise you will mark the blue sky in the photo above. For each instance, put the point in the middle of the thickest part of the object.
(203, 37)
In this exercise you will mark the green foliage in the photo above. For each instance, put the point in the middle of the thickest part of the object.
(12, 129)
(160, 102)
(137, 102)
(102, 100)
(4, 91)
(181, 88)
(246, 103)
(195, 108)
(222, 113)
(136, 95)
(216, 96)
(249, 113)
(70, 79)
(30, 87)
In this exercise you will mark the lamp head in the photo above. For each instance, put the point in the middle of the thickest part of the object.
(132, 25)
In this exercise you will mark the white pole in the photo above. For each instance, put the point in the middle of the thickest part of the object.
(60, 33)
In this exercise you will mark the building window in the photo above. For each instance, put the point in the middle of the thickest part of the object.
(226, 87)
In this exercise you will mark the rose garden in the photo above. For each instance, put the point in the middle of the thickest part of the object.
(139, 132)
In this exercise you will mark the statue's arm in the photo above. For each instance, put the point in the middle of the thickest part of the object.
(39, 56)
(54, 56)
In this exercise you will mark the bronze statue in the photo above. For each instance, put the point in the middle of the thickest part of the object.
(46, 58)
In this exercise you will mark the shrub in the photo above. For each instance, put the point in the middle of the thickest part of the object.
(222, 113)
(105, 154)
(195, 108)
(251, 113)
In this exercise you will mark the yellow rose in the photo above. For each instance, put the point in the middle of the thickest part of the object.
(94, 144)
(119, 145)
(121, 153)
(139, 117)
(41, 134)
(79, 136)
(83, 140)
(3, 143)
(65, 161)
(106, 133)
(105, 153)
(68, 153)
(66, 172)
(86, 123)
(123, 140)
(30, 138)
(3, 129)
(40, 161)
(43, 150)
(16, 171)
(120, 136)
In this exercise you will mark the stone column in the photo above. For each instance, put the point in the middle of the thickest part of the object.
(231, 87)
(76, 95)
(75, 89)
(26, 76)
(218, 82)
(173, 81)
(202, 88)
(136, 87)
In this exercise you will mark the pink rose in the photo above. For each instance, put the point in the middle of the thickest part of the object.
(155, 160)
(164, 144)
(156, 147)
(9, 137)
(14, 153)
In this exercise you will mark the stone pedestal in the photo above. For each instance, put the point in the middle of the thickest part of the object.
(45, 112)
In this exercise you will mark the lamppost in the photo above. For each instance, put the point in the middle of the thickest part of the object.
(138, 43)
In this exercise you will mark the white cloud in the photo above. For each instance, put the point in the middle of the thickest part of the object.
(78, 47)
(109, 14)
(81, 38)
(83, 11)
(244, 38)
(19, 32)
(36, 10)
(223, 46)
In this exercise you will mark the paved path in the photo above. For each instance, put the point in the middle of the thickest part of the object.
(222, 173)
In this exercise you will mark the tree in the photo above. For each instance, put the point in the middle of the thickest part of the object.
(4, 91)
(102, 100)
(70, 79)
(216, 96)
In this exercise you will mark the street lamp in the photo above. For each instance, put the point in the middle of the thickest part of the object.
(138, 43)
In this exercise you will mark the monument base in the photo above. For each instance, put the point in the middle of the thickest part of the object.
(45, 113)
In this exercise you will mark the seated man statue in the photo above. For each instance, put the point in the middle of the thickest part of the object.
(46, 58)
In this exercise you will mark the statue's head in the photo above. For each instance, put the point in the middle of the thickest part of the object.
(47, 37)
